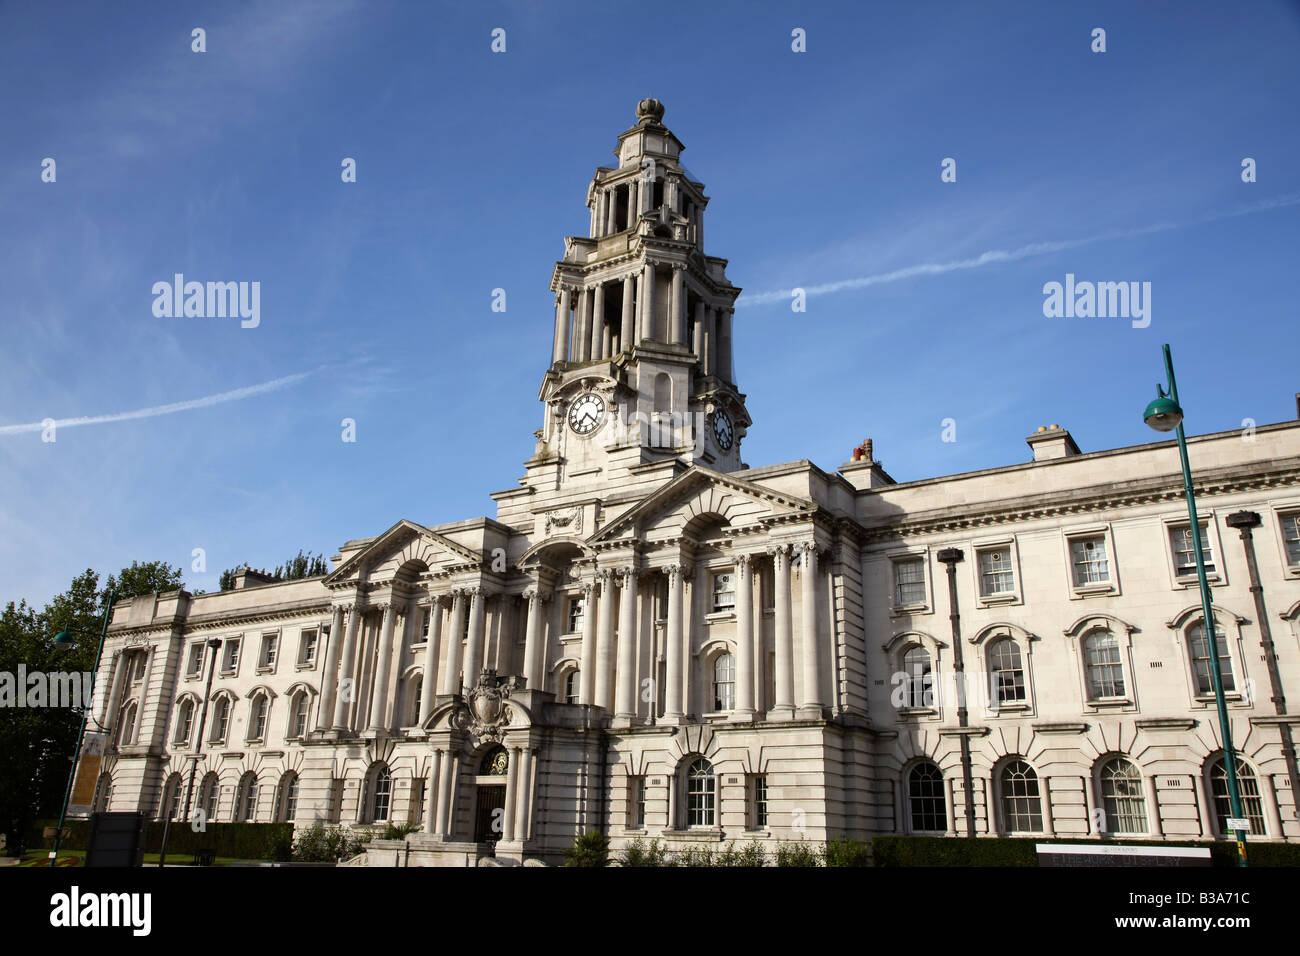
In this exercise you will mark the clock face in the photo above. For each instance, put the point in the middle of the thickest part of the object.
(722, 429)
(586, 413)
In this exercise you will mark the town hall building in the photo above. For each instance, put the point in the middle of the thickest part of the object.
(653, 639)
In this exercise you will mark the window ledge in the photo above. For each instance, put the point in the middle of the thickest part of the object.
(1192, 581)
(714, 617)
(701, 834)
(266, 669)
(1230, 696)
(1019, 707)
(917, 712)
(1088, 590)
(1102, 702)
(921, 607)
(305, 666)
(1007, 598)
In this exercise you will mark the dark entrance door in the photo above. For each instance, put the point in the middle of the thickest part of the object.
(489, 815)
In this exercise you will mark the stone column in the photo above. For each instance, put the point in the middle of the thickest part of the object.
(563, 306)
(711, 342)
(595, 215)
(534, 640)
(379, 696)
(611, 211)
(451, 679)
(1269, 798)
(598, 322)
(673, 692)
(431, 798)
(604, 695)
(699, 331)
(633, 203)
(784, 638)
(330, 677)
(627, 327)
(625, 703)
(1204, 805)
(744, 641)
(432, 650)
(647, 304)
(582, 327)
(1090, 806)
(1154, 825)
(447, 763)
(523, 794)
(587, 669)
(677, 307)
(474, 643)
(119, 678)
(812, 693)
(724, 344)
(347, 692)
(512, 794)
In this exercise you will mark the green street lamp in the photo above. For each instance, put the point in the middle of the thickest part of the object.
(1164, 414)
(64, 639)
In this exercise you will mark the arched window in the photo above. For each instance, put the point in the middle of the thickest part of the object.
(1247, 789)
(169, 807)
(209, 793)
(103, 793)
(572, 681)
(220, 720)
(257, 714)
(701, 794)
(1198, 648)
(1101, 661)
(379, 794)
(246, 799)
(184, 723)
(286, 804)
(1022, 810)
(1121, 797)
(298, 714)
(918, 681)
(724, 682)
(928, 809)
(414, 697)
(126, 724)
(1006, 674)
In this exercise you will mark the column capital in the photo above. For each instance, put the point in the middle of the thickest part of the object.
(437, 600)
(780, 548)
(676, 570)
(587, 587)
(626, 572)
(344, 606)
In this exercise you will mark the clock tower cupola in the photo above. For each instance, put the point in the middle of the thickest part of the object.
(641, 360)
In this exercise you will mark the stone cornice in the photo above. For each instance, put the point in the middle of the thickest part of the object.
(203, 622)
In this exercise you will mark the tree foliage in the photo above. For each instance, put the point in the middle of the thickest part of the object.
(301, 566)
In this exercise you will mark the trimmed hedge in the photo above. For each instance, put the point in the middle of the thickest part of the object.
(1019, 851)
(240, 841)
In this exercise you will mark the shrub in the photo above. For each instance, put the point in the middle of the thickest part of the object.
(320, 844)
(798, 853)
(848, 853)
(589, 849)
(750, 855)
(640, 853)
(696, 856)
(397, 831)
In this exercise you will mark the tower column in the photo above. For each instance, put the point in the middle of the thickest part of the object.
(647, 302)
(474, 642)
(627, 332)
(563, 306)
(604, 694)
(379, 696)
(677, 308)
(744, 641)
(633, 198)
(587, 673)
(445, 770)
(812, 694)
(582, 328)
(598, 322)
(784, 703)
(523, 794)
(625, 703)
(611, 211)
(455, 651)
(432, 648)
(711, 337)
(534, 640)
(673, 692)
(347, 693)
(512, 791)
(724, 344)
(329, 680)
(699, 331)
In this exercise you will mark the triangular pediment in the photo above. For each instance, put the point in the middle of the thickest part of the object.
(403, 542)
(700, 493)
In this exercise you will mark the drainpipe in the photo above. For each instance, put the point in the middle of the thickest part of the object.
(1244, 521)
(949, 557)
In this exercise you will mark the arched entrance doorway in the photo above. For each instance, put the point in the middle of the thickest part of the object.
(490, 796)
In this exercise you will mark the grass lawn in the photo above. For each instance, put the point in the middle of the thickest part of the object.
(78, 858)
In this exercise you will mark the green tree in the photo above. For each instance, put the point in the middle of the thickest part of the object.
(300, 566)
(149, 578)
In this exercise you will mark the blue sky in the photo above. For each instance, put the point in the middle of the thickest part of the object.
(823, 167)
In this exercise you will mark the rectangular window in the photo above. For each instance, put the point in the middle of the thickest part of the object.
(336, 800)
(758, 802)
(137, 667)
(996, 576)
(307, 648)
(1088, 561)
(909, 581)
(1291, 538)
(270, 646)
(1184, 549)
(195, 666)
(425, 617)
(636, 803)
(724, 592)
(230, 662)
(576, 610)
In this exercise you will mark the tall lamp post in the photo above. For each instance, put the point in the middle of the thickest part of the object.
(64, 638)
(1165, 414)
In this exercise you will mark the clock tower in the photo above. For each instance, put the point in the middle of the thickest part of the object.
(641, 369)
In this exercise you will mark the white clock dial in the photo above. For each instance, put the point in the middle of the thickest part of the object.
(723, 432)
(586, 413)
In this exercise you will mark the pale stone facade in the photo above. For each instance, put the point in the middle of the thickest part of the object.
(694, 650)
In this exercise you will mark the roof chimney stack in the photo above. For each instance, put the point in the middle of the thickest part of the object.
(1052, 442)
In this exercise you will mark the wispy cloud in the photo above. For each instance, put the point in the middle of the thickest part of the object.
(1013, 255)
(208, 400)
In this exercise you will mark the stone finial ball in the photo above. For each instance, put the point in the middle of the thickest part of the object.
(650, 109)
